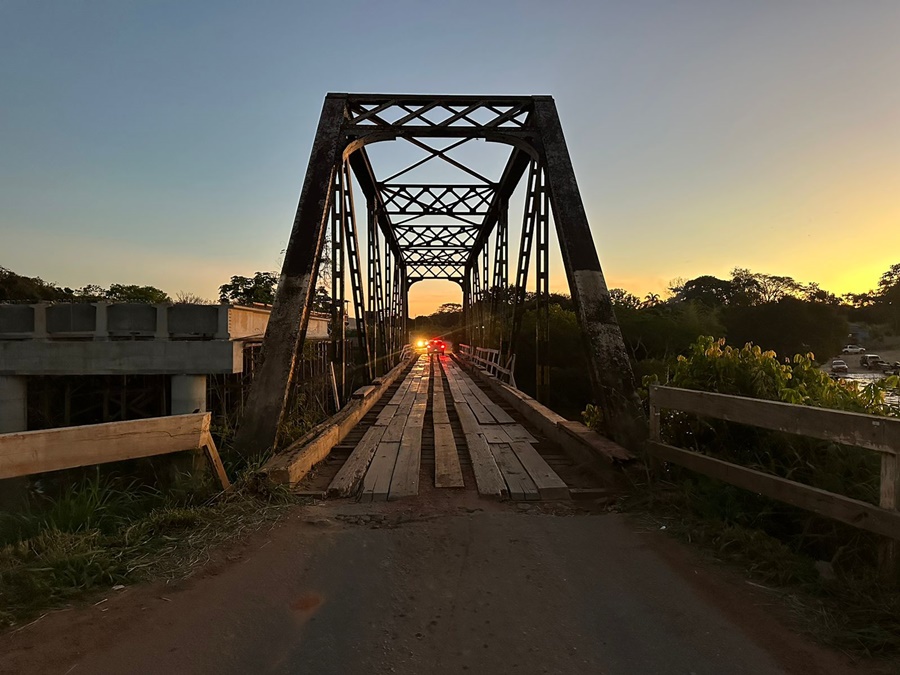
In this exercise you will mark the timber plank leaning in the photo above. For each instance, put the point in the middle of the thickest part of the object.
(29, 452)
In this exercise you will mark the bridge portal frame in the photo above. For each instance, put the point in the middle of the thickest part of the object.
(531, 126)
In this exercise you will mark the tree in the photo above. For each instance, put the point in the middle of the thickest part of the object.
(622, 298)
(789, 326)
(16, 288)
(258, 289)
(322, 300)
(132, 293)
(187, 298)
(890, 279)
(449, 308)
(705, 289)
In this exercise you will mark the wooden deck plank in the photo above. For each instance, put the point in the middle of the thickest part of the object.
(466, 419)
(386, 414)
(447, 471)
(549, 485)
(376, 484)
(494, 434)
(350, 475)
(499, 415)
(495, 410)
(394, 431)
(488, 478)
(439, 403)
(481, 413)
(517, 479)
(517, 432)
(405, 479)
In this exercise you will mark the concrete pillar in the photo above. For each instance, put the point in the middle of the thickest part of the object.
(13, 417)
(40, 321)
(223, 331)
(188, 394)
(101, 325)
(162, 322)
(13, 404)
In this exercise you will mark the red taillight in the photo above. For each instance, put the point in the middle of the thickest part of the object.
(442, 345)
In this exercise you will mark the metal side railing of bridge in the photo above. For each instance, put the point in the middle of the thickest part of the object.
(488, 360)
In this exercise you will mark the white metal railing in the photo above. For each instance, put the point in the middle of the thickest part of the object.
(488, 360)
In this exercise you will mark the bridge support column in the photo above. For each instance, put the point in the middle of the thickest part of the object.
(13, 417)
(188, 394)
(13, 404)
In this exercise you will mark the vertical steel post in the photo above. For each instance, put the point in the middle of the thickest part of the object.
(524, 261)
(338, 355)
(610, 370)
(355, 269)
(500, 296)
(542, 293)
(371, 263)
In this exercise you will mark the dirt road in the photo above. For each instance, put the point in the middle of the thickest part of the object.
(469, 587)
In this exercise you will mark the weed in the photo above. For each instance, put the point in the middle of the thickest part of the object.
(105, 530)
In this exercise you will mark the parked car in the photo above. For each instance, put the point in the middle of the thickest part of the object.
(893, 369)
(839, 366)
(870, 360)
(852, 349)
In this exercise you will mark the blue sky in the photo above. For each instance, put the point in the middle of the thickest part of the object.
(165, 143)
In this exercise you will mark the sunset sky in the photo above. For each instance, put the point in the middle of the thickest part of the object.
(165, 142)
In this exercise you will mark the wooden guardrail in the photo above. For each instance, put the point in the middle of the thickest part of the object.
(488, 360)
(29, 452)
(879, 434)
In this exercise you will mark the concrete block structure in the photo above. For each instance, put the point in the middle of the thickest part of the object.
(187, 342)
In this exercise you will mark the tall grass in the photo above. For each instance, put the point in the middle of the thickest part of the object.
(104, 528)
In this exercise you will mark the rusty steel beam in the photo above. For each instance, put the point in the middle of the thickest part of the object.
(610, 370)
(288, 321)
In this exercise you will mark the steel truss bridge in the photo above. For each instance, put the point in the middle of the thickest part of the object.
(457, 231)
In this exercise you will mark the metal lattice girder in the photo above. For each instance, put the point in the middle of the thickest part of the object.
(436, 236)
(412, 202)
(416, 248)
(446, 116)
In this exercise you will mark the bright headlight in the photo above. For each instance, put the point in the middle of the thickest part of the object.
(421, 343)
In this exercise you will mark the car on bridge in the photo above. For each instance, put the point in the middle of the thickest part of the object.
(436, 346)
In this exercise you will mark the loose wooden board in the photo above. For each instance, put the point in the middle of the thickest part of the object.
(548, 483)
(517, 432)
(488, 478)
(447, 472)
(517, 479)
(377, 482)
(405, 479)
(349, 477)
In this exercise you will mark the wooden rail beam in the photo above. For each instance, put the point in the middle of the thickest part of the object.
(844, 509)
(29, 452)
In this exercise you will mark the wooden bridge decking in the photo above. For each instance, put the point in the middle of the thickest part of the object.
(386, 461)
